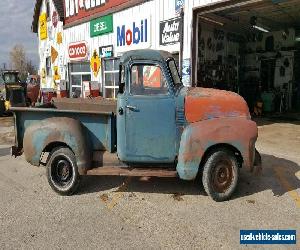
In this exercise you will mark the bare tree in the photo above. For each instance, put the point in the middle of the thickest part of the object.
(20, 62)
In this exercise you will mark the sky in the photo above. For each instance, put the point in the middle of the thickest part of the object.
(15, 28)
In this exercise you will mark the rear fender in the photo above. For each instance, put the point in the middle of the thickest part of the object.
(60, 131)
(198, 137)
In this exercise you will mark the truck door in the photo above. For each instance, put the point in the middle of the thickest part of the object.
(149, 116)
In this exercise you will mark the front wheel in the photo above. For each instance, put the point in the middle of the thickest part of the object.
(220, 174)
(62, 171)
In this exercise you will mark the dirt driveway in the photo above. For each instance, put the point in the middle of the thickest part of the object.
(133, 213)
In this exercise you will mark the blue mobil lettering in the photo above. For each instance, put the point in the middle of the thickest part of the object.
(138, 34)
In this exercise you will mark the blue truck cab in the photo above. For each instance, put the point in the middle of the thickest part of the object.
(156, 127)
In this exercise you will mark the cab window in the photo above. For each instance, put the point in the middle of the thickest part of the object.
(147, 80)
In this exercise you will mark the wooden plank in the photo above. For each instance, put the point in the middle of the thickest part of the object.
(138, 172)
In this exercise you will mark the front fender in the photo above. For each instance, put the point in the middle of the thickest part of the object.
(61, 130)
(198, 137)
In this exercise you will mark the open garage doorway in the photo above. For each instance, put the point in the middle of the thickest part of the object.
(252, 48)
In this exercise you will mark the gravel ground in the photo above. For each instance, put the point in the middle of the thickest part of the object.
(133, 213)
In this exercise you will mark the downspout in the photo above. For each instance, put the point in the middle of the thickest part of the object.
(181, 42)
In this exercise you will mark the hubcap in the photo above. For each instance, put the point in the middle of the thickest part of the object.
(61, 171)
(222, 176)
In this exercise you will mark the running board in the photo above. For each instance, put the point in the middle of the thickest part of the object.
(138, 172)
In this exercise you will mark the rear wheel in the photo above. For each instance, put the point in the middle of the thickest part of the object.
(220, 174)
(62, 171)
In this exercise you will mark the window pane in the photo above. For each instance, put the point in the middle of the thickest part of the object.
(48, 66)
(76, 80)
(116, 64)
(86, 78)
(116, 92)
(85, 67)
(174, 73)
(147, 80)
(109, 93)
(80, 67)
(108, 80)
(109, 65)
(116, 79)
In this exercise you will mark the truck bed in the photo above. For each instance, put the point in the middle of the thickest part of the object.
(96, 115)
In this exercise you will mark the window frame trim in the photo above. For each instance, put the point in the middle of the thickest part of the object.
(114, 87)
(152, 63)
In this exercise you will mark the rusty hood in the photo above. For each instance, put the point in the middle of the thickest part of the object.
(205, 103)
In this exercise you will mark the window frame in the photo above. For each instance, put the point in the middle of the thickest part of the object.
(49, 72)
(77, 73)
(147, 63)
(115, 87)
(48, 10)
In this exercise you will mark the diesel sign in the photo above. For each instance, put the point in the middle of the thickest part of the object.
(78, 51)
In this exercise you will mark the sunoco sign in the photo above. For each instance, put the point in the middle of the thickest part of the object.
(170, 31)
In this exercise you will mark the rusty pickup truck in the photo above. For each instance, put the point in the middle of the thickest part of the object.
(156, 128)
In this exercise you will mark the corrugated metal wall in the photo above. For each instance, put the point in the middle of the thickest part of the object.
(160, 10)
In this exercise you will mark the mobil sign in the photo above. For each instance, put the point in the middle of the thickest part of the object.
(133, 33)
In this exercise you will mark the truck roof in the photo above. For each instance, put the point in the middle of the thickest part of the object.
(10, 71)
(146, 54)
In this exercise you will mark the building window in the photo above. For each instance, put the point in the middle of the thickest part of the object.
(48, 10)
(80, 73)
(111, 77)
(48, 67)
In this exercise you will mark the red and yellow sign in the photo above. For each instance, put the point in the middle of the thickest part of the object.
(95, 63)
(43, 26)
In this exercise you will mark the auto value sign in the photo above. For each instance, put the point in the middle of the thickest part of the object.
(170, 31)
(78, 51)
(101, 26)
(133, 34)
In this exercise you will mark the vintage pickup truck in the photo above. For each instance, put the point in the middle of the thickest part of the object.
(156, 127)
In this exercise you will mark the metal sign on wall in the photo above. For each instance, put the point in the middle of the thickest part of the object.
(101, 26)
(170, 31)
(179, 4)
(43, 26)
(133, 33)
(78, 51)
(106, 51)
(80, 9)
(54, 19)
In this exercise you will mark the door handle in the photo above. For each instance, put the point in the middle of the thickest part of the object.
(121, 111)
(133, 108)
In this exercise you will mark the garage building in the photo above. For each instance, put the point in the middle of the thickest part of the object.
(250, 47)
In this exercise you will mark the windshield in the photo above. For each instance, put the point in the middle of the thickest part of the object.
(174, 73)
(10, 78)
